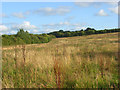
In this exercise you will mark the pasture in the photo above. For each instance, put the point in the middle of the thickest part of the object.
(89, 61)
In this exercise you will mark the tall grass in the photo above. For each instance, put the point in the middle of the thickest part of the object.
(74, 62)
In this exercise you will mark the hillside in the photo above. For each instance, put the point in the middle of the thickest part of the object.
(24, 37)
(89, 61)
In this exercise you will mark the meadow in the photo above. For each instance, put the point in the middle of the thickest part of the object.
(89, 61)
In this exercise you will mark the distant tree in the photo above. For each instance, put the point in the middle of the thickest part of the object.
(61, 31)
(43, 39)
(89, 29)
(67, 34)
(25, 36)
(81, 30)
(34, 39)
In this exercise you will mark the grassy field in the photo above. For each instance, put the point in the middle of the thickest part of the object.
(73, 62)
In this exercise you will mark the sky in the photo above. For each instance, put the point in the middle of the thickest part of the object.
(45, 17)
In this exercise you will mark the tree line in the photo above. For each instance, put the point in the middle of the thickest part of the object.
(24, 37)
(82, 32)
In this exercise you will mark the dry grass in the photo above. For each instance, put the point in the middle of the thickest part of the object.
(73, 62)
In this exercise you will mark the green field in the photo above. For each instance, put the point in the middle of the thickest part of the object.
(74, 62)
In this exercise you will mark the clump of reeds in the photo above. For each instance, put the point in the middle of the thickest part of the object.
(23, 53)
(57, 71)
(15, 58)
(24, 64)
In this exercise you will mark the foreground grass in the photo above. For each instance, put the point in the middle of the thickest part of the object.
(74, 62)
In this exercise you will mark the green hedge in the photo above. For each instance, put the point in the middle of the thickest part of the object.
(23, 37)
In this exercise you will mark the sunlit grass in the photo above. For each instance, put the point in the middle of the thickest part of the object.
(73, 62)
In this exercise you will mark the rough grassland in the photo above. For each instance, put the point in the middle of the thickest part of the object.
(73, 62)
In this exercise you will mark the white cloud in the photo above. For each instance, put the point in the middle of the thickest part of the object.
(115, 9)
(87, 4)
(49, 30)
(25, 25)
(21, 15)
(53, 11)
(35, 31)
(83, 4)
(3, 15)
(63, 25)
(102, 13)
(27, 13)
(79, 28)
(94, 3)
(13, 32)
(18, 15)
(13, 29)
(112, 3)
(66, 23)
(69, 18)
(3, 28)
(95, 0)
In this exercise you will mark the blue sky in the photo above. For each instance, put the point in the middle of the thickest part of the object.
(44, 17)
